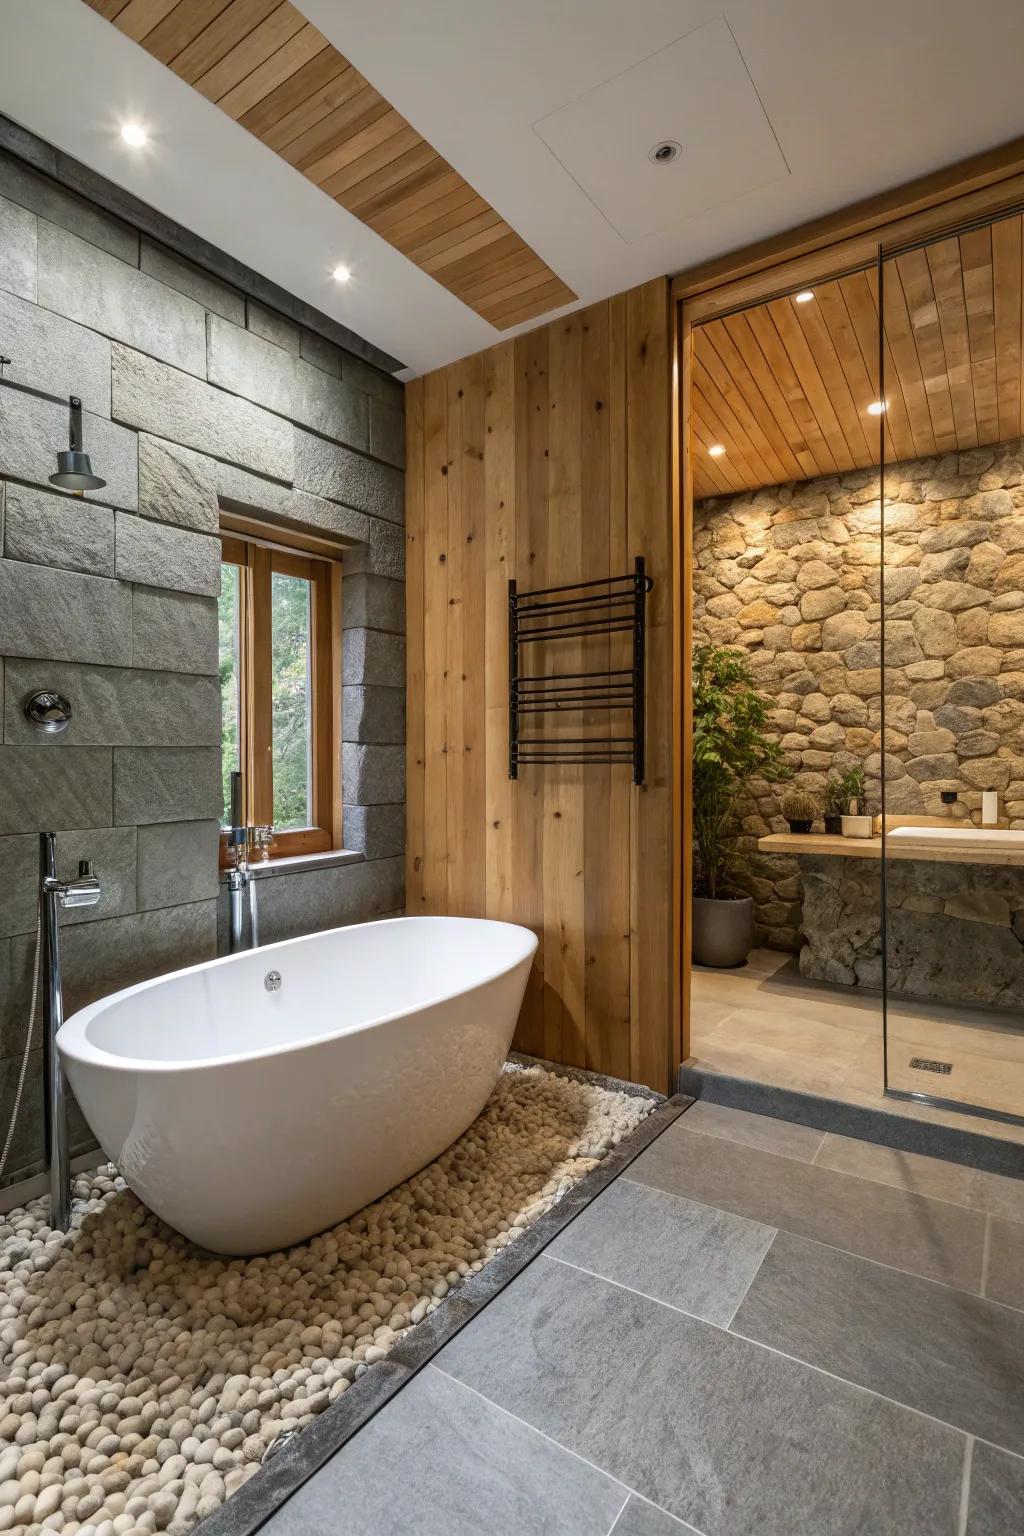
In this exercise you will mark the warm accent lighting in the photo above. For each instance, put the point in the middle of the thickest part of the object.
(341, 273)
(804, 296)
(716, 450)
(876, 408)
(134, 134)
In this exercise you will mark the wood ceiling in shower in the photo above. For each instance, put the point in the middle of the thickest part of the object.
(784, 387)
(267, 67)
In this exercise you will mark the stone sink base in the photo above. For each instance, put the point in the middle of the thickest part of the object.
(955, 931)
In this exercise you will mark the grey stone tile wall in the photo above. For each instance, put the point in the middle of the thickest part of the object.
(198, 402)
(63, 615)
(165, 784)
(17, 250)
(59, 205)
(274, 327)
(328, 470)
(118, 300)
(46, 528)
(115, 706)
(173, 631)
(112, 849)
(32, 431)
(271, 376)
(177, 485)
(192, 281)
(177, 863)
(41, 790)
(160, 556)
(151, 397)
(51, 353)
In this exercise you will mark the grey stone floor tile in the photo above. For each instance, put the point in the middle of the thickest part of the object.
(1004, 1279)
(995, 1504)
(439, 1461)
(923, 1175)
(639, 1518)
(692, 1256)
(957, 1357)
(941, 1241)
(764, 1131)
(732, 1438)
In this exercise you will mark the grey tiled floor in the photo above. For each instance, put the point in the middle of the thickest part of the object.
(757, 1330)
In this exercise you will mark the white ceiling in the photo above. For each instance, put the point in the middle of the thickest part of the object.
(785, 109)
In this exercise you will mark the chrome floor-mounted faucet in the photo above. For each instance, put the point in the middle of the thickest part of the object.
(242, 839)
(55, 894)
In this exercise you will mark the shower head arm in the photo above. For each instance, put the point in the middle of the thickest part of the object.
(38, 394)
(75, 424)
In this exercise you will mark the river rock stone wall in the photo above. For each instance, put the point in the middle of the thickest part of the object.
(792, 574)
(955, 932)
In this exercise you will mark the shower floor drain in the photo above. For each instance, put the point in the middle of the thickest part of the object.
(922, 1064)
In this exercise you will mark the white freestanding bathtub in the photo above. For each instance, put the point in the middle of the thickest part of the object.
(255, 1100)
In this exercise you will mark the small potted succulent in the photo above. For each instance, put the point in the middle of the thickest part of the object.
(855, 822)
(799, 809)
(837, 803)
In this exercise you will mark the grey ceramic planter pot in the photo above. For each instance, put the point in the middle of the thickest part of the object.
(723, 930)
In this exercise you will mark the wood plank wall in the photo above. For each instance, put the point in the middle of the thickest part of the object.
(546, 459)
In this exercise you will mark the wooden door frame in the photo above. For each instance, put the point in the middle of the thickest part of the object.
(977, 189)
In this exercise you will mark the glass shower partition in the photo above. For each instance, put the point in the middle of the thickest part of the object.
(952, 658)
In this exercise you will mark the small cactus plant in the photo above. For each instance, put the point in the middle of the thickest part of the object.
(799, 809)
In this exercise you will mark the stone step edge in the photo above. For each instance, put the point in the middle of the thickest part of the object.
(888, 1128)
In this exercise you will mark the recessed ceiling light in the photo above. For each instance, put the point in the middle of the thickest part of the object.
(804, 296)
(341, 273)
(664, 152)
(134, 134)
(876, 408)
(716, 450)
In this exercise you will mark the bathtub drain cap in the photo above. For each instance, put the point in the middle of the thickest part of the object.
(272, 981)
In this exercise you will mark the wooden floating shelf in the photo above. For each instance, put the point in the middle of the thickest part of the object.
(817, 844)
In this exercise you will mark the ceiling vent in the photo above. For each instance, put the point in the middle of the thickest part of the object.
(695, 104)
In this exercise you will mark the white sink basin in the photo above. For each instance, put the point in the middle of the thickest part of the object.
(956, 837)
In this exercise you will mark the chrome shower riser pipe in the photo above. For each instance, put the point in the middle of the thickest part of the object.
(55, 1087)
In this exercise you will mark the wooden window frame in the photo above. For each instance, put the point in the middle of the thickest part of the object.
(258, 561)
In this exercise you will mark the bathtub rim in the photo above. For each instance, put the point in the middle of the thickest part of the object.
(74, 1044)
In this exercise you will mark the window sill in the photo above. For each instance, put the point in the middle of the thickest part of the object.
(300, 863)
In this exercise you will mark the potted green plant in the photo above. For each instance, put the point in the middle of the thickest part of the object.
(799, 809)
(731, 746)
(855, 823)
(837, 803)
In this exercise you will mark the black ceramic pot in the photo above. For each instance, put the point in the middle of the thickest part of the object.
(834, 826)
(800, 826)
(723, 930)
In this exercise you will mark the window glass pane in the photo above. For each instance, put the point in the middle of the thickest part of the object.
(227, 614)
(292, 702)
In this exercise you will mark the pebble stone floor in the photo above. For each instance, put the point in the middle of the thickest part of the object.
(757, 1329)
(142, 1381)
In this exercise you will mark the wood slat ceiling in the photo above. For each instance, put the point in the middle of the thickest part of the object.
(267, 67)
(784, 387)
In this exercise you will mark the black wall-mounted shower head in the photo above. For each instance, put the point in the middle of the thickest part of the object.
(74, 469)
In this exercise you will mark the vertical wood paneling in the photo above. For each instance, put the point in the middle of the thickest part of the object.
(473, 890)
(530, 409)
(648, 402)
(546, 459)
(414, 741)
(435, 644)
(564, 992)
(499, 562)
(454, 652)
